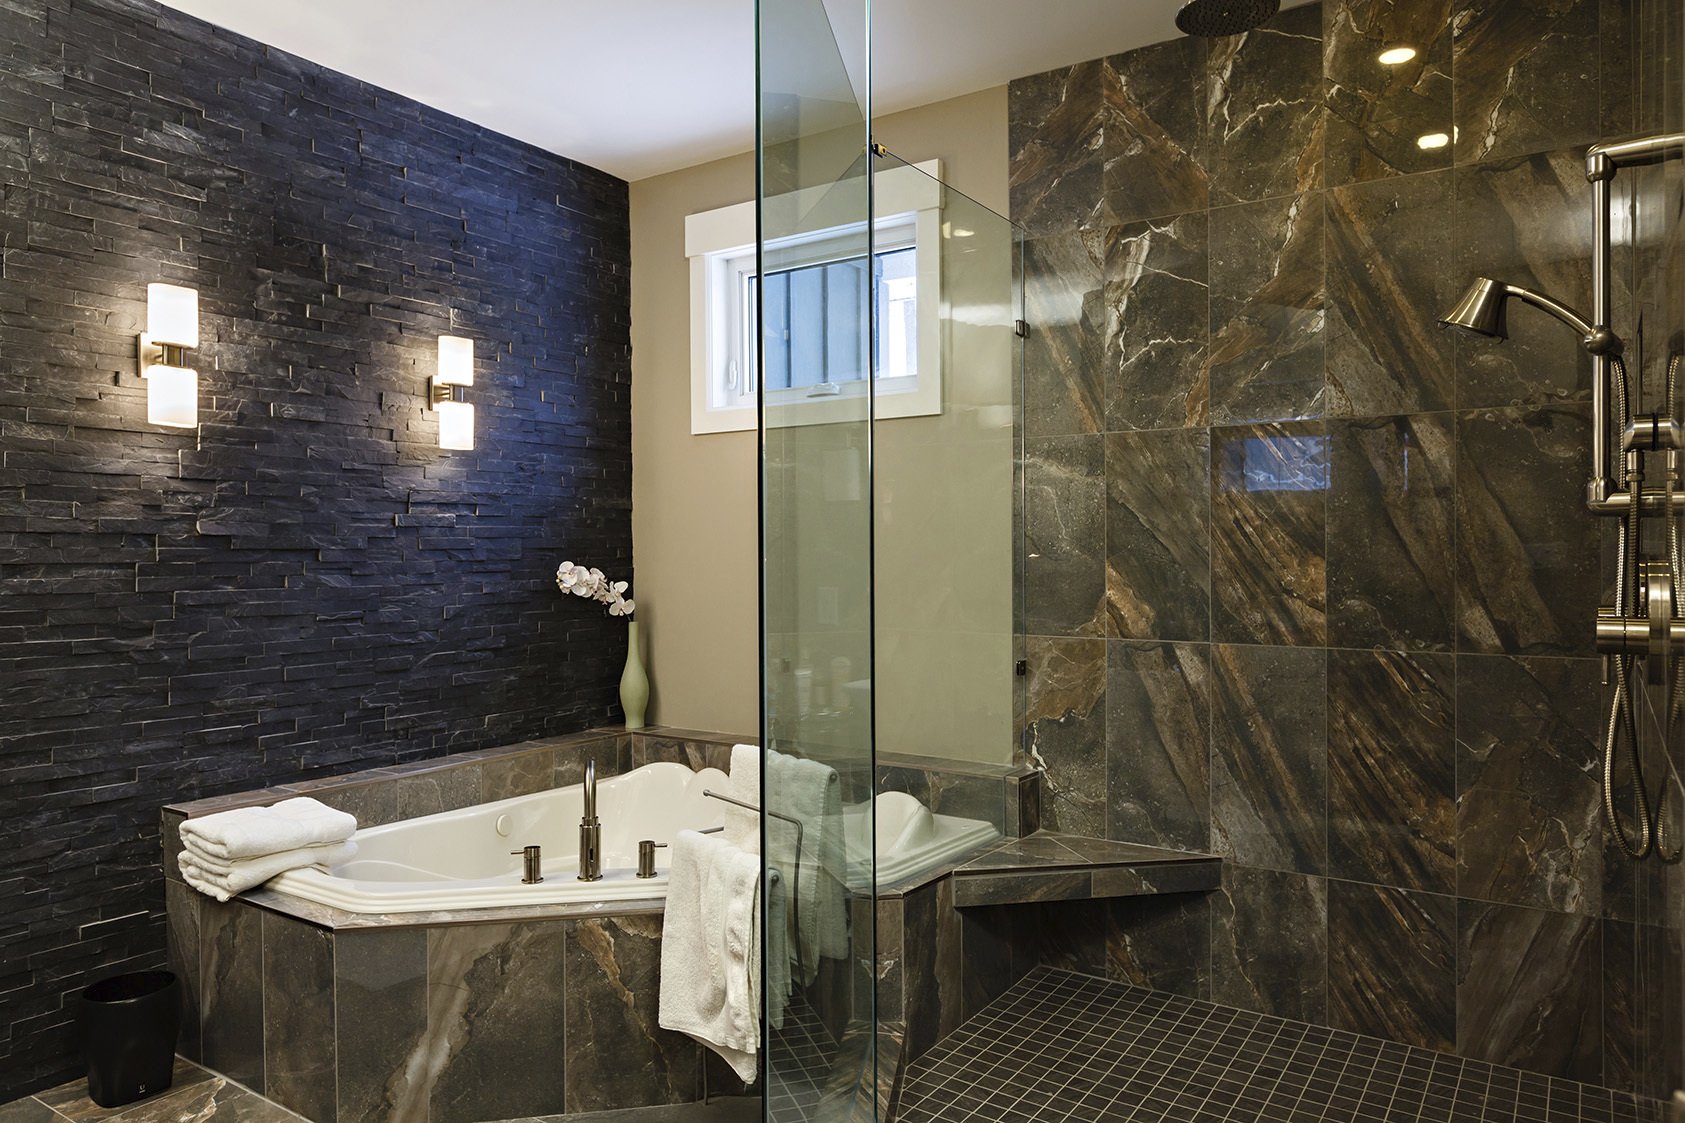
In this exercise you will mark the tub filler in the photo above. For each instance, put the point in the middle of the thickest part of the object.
(470, 858)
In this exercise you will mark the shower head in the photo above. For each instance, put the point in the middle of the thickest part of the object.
(1481, 310)
(1212, 18)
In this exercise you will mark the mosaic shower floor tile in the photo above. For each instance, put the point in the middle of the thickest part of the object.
(1067, 1048)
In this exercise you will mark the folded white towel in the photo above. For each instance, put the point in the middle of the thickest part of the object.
(223, 880)
(810, 791)
(248, 832)
(710, 948)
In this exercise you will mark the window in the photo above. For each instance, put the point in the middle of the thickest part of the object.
(815, 291)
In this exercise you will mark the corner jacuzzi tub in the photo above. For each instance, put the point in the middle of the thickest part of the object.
(463, 859)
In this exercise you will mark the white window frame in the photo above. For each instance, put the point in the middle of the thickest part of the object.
(720, 245)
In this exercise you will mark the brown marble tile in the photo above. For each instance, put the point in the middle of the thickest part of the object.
(1158, 535)
(1065, 535)
(619, 1056)
(1390, 273)
(1020, 888)
(1528, 790)
(1161, 942)
(1528, 577)
(932, 965)
(1526, 76)
(181, 906)
(1641, 1012)
(1269, 514)
(231, 995)
(1392, 800)
(1158, 744)
(1377, 113)
(380, 981)
(1265, 119)
(1158, 324)
(1269, 757)
(1066, 721)
(1269, 943)
(70, 1101)
(1065, 305)
(1056, 140)
(1155, 128)
(300, 1062)
(1392, 964)
(1524, 220)
(496, 1022)
(443, 789)
(1391, 516)
(510, 776)
(1529, 989)
(1265, 361)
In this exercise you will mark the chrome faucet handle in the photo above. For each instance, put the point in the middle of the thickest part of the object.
(532, 864)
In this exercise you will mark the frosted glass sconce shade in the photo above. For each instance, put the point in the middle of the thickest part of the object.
(172, 315)
(447, 393)
(172, 397)
(172, 330)
(456, 361)
(456, 425)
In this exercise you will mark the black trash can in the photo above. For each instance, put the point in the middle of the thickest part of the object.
(129, 1027)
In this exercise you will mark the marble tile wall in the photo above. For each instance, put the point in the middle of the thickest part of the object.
(460, 1022)
(1309, 581)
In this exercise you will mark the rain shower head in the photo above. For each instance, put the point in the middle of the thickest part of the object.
(1481, 310)
(1212, 18)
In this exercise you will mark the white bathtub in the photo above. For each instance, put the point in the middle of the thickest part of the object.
(463, 860)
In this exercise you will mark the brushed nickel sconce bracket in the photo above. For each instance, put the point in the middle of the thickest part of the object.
(150, 354)
(438, 392)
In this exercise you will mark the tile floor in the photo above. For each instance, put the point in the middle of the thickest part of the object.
(1075, 1049)
(197, 1094)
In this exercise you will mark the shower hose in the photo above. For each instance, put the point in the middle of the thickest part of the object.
(1652, 833)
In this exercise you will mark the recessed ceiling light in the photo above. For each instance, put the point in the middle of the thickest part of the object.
(1431, 141)
(1397, 56)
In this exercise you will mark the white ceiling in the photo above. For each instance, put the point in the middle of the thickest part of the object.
(641, 87)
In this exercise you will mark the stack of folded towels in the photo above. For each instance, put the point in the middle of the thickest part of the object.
(231, 851)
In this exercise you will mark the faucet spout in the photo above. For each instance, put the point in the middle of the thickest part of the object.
(590, 830)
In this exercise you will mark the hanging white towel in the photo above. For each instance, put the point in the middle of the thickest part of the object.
(743, 783)
(710, 948)
(810, 792)
(223, 880)
(249, 832)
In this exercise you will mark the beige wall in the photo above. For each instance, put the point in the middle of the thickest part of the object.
(694, 497)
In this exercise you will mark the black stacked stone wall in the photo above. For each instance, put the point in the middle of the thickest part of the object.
(306, 584)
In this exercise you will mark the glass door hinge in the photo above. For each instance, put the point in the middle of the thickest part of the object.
(1021, 329)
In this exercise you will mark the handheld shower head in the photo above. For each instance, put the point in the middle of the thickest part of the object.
(1481, 310)
(1212, 18)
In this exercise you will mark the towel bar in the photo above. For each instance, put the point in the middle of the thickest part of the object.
(796, 879)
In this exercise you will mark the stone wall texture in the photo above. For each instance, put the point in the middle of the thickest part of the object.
(306, 584)
(1310, 582)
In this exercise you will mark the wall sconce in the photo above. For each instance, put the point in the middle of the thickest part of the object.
(447, 392)
(172, 330)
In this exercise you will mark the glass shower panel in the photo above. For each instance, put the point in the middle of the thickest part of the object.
(815, 267)
(944, 552)
(1642, 940)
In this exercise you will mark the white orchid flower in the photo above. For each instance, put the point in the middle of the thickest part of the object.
(584, 582)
